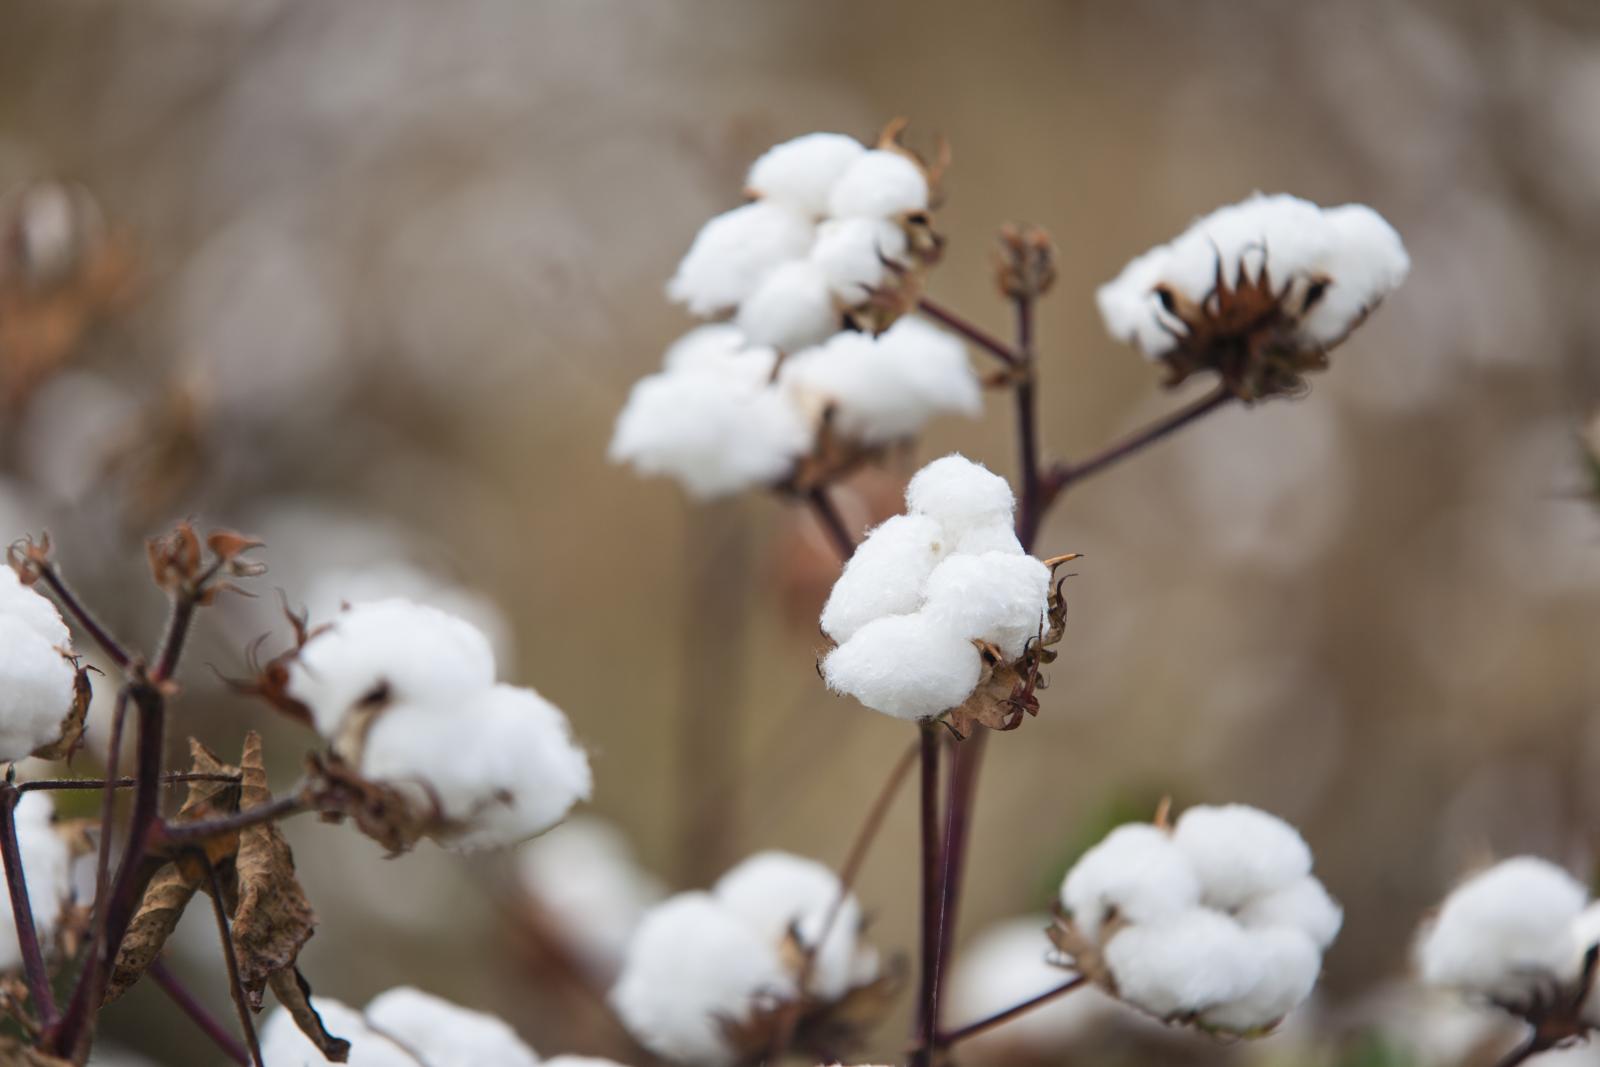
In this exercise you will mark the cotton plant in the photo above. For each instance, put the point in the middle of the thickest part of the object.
(1259, 291)
(940, 614)
(1522, 937)
(1215, 921)
(712, 978)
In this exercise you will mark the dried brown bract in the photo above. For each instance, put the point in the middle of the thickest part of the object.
(1025, 262)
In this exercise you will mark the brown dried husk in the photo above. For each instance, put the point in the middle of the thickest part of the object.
(71, 736)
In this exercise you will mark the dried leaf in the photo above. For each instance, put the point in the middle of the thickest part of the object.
(294, 993)
(209, 799)
(273, 919)
(383, 813)
(168, 893)
(71, 726)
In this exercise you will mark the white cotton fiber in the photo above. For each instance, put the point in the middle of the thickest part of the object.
(1505, 931)
(774, 892)
(1304, 906)
(995, 597)
(47, 864)
(442, 1034)
(905, 666)
(960, 494)
(1240, 852)
(37, 685)
(886, 575)
(1288, 964)
(800, 173)
(1364, 262)
(1136, 873)
(854, 255)
(881, 184)
(995, 537)
(30, 607)
(734, 252)
(1184, 963)
(791, 309)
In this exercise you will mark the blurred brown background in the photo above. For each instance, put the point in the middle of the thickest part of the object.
(396, 264)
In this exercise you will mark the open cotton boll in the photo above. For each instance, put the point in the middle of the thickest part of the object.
(904, 665)
(691, 968)
(47, 865)
(881, 184)
(1136, 873)
(775, 892)
(442, 1034)
(1304, 906)
(1240, 852)
(1364, 262)
(1131, 309)
(28, 606)
(933, 365)
(995, 597)
(37, 686)
(854, 255)
(995, 537)
(960, 494)
(1289, 964)
(791, 309)
(1183, 963)
(734, 252)
(1006, 965)
(885, 576)
(1503, 932)
(800, 173)
(721, 350)
(391, 650)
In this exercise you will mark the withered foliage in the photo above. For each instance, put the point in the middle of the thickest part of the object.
(71, 738)
(382, 812)
(181, 566)
(1025, 262)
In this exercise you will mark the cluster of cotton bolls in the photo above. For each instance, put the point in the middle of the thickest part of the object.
(1326, 269)
(47, 863)
(407, 696)
(926, 587)
(834, 225)
(1218, 921)
(38, 677)
(1513, 935)
(405, 1027)
(704, 963)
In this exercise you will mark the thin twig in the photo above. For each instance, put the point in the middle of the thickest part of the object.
(170, 778)
(927, 1006)
(229, 956)
(989, 1023)
(822, 506)
(985, 340)
(192, 833)
(179, 994)
(83, 616)
(1063, 475)
(39, 991)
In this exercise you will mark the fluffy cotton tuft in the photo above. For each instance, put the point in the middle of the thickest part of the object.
(1304, 906)
(994, 596)
(406, 694)
(907, 666)
(791, 309)
(399, 1028)
(856, 255)
(1189, 962)
(47, 864)
(735, 251)
(885, 576)
(692, 965)
(800, 173)
(1241, 852)
(37, 676)
(1506, 931)
(1136, 874)
(960, 494)
(1334, 265)
(1287, 963)
(881, 184)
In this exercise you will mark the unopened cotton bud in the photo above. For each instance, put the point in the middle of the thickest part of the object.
(904, 665)
(1136, 874)
(994, 597)
(856, 254)
(885, 576)
(1304, 906)
(881, 184)
(800, 173)
(1183, 963)
(1240, 852)
(960, 494)
(791, 309)
(734, 252)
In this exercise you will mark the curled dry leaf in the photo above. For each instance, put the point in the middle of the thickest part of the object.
(384, 814)
(71, 737)
(294, 993)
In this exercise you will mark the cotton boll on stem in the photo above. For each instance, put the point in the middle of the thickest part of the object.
(733, 253)
(960, 494)
(1240, 852)
(1136, 873)
(994, 597)
(906, 666)
(881, 184)
(791, 309)
(1187, 962)
(800, 173)
(775, 892)
(885, 576)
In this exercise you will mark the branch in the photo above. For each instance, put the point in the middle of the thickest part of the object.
(235, 986)
(197, 1013)
(927, 1007)
(1000, 1017)
(1063, 475)
(986, 341)
(832, 522)
(39, 991)
(82, 615)
(170, 778)
(193, 833)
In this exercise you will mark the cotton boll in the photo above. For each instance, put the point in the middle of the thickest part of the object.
(1132, 311)
(853, 254)
(1304, 906)
(1184, 963)
(1289, 965)
(995, 597)
(47, 864)
(692, 966)
(1364, 263)
(933, 365)
(791, 309)
(885, 576)
(722, 350)
(1006, 965)
(774, 892)
(904, 665)
(1504, 931)
(960, 494)
(995, 537)
(37, 685)
(1137, 873)
(389, 650)
(881, 184)
(28, 606)
(442, 1034)
(801, 172)
(734, 252)
(1240, 852)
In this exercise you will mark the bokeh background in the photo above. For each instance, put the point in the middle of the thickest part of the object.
(371, 279)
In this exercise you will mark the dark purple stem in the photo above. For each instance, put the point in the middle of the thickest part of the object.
(832, 522)
(170, 778)
(998, 1018)
(190, 833)
(985, 340)
(235, 986)
(197, 1013)
(44, 1000)
(927, 1014)
(1063, 475)
(74, 607)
